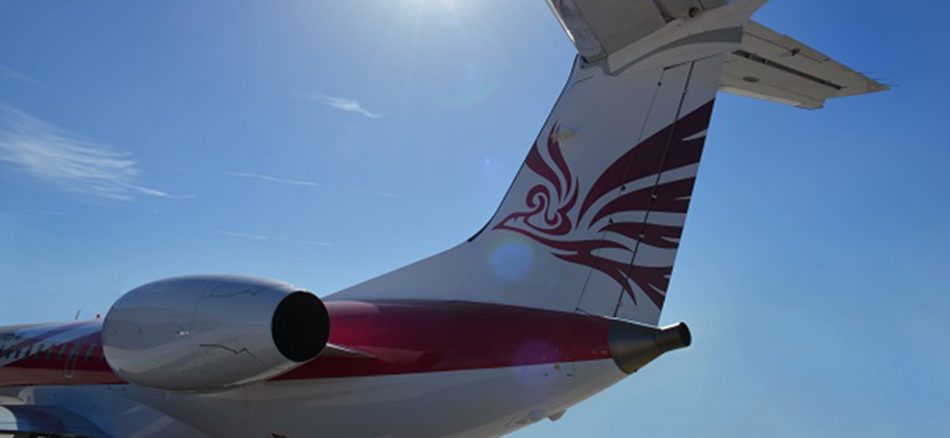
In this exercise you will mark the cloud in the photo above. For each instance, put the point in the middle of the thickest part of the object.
(373, 192)
(242, 235)
(261, 237)
(274, 179)
(59, 157)
(348, 105)
(13, 74)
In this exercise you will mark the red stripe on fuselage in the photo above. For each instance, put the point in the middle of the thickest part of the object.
(78, 361)
(38, 335)
(401, 336)
(427, 336)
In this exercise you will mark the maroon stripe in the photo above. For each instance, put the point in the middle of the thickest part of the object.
(415, 337)
(402, 336)
(537, 164)
(50, 368)
(686, 152)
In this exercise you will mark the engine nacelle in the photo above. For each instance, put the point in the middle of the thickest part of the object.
(206, 333)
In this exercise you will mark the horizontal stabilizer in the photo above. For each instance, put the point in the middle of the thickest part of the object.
(778, 68)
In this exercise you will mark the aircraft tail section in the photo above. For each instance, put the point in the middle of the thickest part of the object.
(593, 219)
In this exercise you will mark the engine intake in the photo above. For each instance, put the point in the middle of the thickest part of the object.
(207, 333)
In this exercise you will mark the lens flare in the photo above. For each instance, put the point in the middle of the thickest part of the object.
(510, 259)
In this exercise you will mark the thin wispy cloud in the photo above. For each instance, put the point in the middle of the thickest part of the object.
(372, 192)
(261, 237)
(348, 105)
(274, 179)
(9, 73)
(242, 235)
(68, 161)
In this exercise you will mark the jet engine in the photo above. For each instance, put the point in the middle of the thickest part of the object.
(208, 333)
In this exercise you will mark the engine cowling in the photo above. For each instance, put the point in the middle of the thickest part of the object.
(207, 333)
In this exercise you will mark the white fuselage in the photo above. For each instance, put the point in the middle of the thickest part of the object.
(477, 403)
(415, 369)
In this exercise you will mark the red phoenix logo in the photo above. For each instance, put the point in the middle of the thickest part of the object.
(554, 218)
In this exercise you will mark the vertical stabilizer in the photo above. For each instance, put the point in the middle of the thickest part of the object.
(593, 220)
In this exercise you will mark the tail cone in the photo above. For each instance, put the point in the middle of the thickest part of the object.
(634, 345)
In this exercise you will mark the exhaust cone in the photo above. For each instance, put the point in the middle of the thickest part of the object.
(634, 345)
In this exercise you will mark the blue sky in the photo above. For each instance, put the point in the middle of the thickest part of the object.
(326, 142)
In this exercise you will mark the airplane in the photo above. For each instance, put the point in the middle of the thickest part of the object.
(556, 298)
